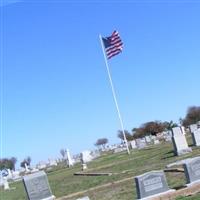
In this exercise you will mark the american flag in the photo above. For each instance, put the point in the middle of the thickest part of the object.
(113, 44)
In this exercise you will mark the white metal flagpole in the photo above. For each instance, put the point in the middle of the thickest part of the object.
(114, 94)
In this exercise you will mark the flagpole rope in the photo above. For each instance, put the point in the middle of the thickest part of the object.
(114, 94)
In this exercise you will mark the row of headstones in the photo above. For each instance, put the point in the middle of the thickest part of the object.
(150, 184)
(154, 183)
(177, 136)
(141, 143)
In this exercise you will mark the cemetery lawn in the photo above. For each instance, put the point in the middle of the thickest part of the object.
(120, 185)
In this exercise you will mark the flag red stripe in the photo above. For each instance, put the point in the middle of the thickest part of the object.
(114, 54)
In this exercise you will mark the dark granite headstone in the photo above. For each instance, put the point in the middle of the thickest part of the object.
(37, 186)
(192, 170)
(151, 184)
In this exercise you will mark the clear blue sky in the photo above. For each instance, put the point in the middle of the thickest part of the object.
(56, 92)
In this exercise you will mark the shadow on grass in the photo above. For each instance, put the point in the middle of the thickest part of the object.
(169, 154)
(179, 187)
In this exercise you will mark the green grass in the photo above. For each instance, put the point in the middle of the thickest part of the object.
(63, 182)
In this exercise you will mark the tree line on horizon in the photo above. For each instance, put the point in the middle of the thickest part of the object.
(155, 127)
(9, 163)
(148, 128)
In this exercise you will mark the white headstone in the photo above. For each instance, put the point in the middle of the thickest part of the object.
(86, 156)
(69, 160)
(183, 130)
(133, 144)
(84, 166)
(52, 162)
(6, 184)
(179, 142)
(196, 137)
(84, 198)
(148, 139)
(141, 143)
(41, 165)
(156, 141)
(1, 180)
(9, 174)
(193, 127)
(119, 149)
(26, 167)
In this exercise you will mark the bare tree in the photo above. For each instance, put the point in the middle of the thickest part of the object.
(101, 142)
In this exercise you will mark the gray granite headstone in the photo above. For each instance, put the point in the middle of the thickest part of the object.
(37, 186)
(196, 137)
(179, 142)
(151, 184)
(192, 170)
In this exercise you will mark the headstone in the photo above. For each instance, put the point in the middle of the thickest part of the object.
(9, 174)
(196, 137)
(26, 168)
(33, 170)
(37, 186)
(151, 184)
(84, 166)
(84, 198)
(41, 165)
(192, 170)
(179, 142)
(141, 143)
(86, 156)
(119, 149)
(69, 160)
(193, 127)
(52, 162)
(183, 130)
(6, 184)
(148, 139)
(156, 141)
(168, 138)
(133, 144)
